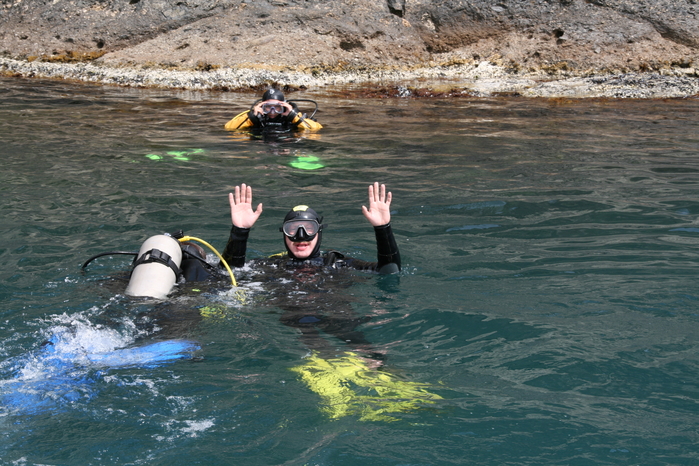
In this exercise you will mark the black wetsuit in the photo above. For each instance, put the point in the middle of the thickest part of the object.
(387, 253)
(310, 291)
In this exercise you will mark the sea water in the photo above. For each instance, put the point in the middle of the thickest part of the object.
(547, 311)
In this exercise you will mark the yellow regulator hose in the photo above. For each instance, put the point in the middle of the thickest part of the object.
(223, 261)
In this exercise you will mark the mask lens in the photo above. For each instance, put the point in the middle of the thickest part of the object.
(267, 108)
(310, 228)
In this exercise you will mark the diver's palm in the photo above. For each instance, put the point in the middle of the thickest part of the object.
(379, 211)
(242, 214)
(378, 214)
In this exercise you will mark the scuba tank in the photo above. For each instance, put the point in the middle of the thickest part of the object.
(165, 260)
(157, 268)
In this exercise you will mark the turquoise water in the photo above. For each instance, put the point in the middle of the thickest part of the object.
(547, 307)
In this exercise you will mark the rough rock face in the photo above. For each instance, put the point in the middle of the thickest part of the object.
(574, 35)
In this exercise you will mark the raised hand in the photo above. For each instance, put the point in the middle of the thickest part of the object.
(379, 211)
(242, 214)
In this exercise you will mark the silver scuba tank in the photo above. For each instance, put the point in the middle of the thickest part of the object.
(157, 267)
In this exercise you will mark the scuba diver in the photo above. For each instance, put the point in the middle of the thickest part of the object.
(303, 230)
(274, 113)
(308, 304)
(307, 286)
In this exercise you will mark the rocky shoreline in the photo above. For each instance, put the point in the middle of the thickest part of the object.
(481, 79)
(546, 48)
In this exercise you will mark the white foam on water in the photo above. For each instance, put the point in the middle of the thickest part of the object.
(62, 370)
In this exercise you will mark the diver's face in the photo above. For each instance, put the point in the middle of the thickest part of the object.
(301, 249)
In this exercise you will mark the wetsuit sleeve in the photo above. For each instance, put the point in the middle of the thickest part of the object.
(306, 124)
(309, 125)
(234, 253)
(301, 123)
(240, 121)
(387, 250)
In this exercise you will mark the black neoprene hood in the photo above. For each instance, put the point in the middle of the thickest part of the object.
(273, 94)
(302, 212)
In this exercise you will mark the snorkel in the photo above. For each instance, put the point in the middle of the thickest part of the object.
(303, 224)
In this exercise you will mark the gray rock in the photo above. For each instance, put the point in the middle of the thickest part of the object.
(538, 39)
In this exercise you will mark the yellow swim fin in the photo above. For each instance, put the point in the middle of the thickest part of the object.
(349, 387)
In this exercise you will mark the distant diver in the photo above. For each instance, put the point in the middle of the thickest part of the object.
(273, 113)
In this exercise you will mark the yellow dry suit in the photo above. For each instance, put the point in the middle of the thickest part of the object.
(243, 121)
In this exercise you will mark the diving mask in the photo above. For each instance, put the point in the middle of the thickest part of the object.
(268, 108)
(301, 229)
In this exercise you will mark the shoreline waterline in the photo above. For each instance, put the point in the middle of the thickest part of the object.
(482, 79)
